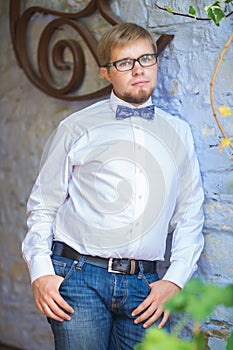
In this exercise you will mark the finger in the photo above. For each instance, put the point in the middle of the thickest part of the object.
(55, 311)
(58, 309)
(148, 313)
(49, 313)
(143, 306)
(54, 306)
(157, 314)
(164, 319)
(63, 304)
(45, 310)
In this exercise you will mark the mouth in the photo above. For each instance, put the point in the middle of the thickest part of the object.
(140, 83)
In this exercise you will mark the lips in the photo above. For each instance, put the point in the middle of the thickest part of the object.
(140, 83)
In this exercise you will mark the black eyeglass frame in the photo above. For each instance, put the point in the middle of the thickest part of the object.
(133, 60)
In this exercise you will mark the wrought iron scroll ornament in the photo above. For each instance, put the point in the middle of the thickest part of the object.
(42, 77)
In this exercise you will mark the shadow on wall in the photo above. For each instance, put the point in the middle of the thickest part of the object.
(7, 347)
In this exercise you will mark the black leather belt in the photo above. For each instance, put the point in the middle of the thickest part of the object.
(124, 266)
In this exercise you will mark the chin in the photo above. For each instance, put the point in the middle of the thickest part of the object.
(137, 99)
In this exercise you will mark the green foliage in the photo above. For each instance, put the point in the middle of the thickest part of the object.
(157, 339)
(169, 9)
(215, 12)
(197, 300)
(230, 343)
(192, 11)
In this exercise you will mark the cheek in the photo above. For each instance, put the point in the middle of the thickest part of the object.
(153, 78)
(119, 83)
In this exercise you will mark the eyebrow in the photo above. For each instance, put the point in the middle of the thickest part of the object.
(133, 58)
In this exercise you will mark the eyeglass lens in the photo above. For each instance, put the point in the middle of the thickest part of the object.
(129, 63)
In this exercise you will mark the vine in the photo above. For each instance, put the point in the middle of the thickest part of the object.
(224, 111)
(215, 13)
(196, 301)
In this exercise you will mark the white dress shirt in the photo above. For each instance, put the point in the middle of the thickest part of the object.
(116, 188)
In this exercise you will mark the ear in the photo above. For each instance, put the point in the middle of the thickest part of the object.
(105, 74)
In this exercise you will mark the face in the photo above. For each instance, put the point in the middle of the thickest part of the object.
(137, 85)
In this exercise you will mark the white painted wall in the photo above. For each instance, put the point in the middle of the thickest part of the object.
(28, 117)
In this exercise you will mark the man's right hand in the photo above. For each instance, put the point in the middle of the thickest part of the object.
(49, 300)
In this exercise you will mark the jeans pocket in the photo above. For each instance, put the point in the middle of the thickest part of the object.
(63, 267)
(150, 278)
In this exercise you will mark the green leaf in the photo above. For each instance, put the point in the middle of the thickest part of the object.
(169, 9)
(200, 307)
(228, 296)
(158, 339)
(203, 302)
(177, 303)
(192, 11)
(215, 12)
(199, 300)
(200, 341)
(230, 342)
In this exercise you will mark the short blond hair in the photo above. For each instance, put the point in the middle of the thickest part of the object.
(120, 35)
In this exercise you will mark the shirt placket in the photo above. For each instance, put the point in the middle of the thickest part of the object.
(139, 181)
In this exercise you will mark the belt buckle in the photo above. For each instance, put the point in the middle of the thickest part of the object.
(110, 269)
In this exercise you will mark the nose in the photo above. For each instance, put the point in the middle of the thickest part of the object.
(137, 69)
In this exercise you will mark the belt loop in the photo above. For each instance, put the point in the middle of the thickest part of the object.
(141, 270)
(81, 262)
(132, 267)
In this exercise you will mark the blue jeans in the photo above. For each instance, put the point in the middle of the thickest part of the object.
(103, 303)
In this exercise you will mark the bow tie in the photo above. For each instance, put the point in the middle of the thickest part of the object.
(123, 112)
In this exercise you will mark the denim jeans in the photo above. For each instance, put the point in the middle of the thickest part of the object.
(103, 303)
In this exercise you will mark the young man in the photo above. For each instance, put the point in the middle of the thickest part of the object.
(118, 176)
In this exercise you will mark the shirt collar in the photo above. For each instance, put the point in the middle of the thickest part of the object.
(116, 101)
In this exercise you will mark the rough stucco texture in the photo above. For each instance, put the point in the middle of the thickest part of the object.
(28, 117)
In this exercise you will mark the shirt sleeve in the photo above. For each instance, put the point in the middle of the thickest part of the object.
(47, 195)
(187, 220)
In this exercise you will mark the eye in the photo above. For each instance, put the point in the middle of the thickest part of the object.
(146, 58)
(124, 63)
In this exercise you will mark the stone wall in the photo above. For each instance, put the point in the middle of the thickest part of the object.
(28, 117)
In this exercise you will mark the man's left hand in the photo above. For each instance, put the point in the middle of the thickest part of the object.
(153, 306)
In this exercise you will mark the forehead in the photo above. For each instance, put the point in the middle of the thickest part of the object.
(132, 49)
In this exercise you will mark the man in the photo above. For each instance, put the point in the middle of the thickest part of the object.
(113, 184)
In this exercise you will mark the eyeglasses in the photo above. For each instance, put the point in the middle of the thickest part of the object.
(147, 60)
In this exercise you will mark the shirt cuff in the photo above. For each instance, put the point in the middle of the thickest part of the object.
(40, 266)
(179, 273)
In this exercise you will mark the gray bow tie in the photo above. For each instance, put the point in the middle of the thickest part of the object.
(123, 112)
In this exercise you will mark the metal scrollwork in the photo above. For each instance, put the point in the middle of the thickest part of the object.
(42, 76)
